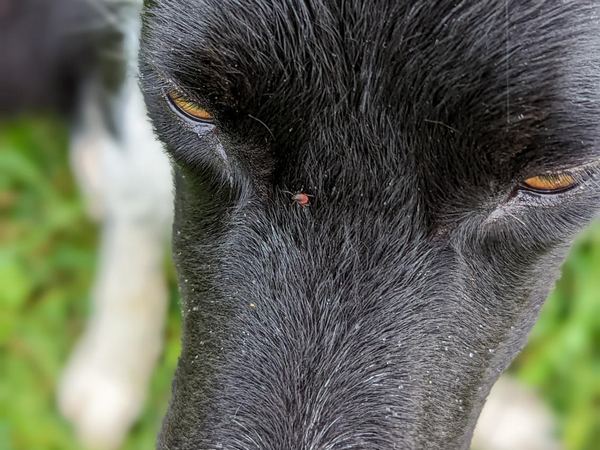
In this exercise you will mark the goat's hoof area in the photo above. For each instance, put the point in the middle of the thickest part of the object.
(101, 406)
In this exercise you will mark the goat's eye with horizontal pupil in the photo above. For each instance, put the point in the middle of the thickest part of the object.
(550, 183)
(189, 109)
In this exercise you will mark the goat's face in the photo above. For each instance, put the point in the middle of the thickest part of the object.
(449, 152)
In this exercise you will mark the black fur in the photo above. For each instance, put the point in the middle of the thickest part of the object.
(379, 316)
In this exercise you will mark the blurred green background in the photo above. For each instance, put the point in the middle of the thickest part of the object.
(47, 263)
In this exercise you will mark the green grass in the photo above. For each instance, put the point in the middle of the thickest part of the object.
(47, 262)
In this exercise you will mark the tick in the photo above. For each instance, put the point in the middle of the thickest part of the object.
(301, 198)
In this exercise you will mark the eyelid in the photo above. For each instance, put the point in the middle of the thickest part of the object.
(550, 183)
(188, 109)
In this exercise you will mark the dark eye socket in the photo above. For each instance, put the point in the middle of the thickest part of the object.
(189, 109)
(550, 183)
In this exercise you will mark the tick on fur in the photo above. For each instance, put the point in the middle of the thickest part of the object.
(301, 198)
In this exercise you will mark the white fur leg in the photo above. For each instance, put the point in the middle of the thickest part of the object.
(104, 385)
(514, 418)
(87, 139)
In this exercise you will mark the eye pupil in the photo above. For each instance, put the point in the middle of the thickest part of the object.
(188, 108)
(550, 183)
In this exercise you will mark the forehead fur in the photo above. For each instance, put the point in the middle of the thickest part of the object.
(503, 79)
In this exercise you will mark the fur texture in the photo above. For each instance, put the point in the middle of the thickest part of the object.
(379, 316)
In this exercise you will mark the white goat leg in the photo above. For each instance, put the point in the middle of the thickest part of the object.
(104, 384)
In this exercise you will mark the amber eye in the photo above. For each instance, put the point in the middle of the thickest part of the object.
(188, 108)
(550, 183)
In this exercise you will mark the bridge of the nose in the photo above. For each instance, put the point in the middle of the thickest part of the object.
(316, 330)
